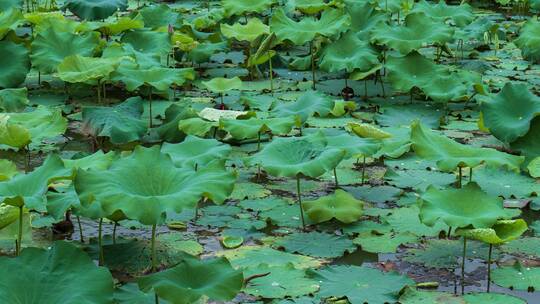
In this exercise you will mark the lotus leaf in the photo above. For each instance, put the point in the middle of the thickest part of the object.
(316, 244)
(253, 127)
(493, 298)
(196, 126)
(368, 131)
(349, 53)
(51, 46)
(340, 205)
(383, 243)
(245, 32)
(156, 16)
(95, 9)
(517, 277)
(528, 144)
(331, 23)
(122, 123)
(159, 78)
(309, 6)
(145, 185)
(221, 85)
(460, 208)
(418, 31)
(354, 146)
(240, 7)
(196, 152)
(461, 14)
(40, 272)
(13, 100)
(247, 257)
(450, 154)
(77, 68)
(282, 281)
(307, 105)
(292, 156)
(192, 279)
(529, 41)
(149, 42)
(203, 51)
(501, 232)
(413, 296)
(360, 284)
(411, 70)
(10, 19)
(15, 64)
(7, 170)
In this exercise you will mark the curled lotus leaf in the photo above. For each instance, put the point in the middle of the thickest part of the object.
(340, 205)
(95, 9)
(80, 69)
(10, 19)
(196, 152)
(331, 23)
(529, 40)
(365, 130)
(461, 14)
(459, 208)
(221, 85)
(307, 105)
(245, 32)
(240, 7)
(15, 63)
(253, 127)
(13, 100)
(349, 53)
(159, 78)
(501, 232)
(146, 184)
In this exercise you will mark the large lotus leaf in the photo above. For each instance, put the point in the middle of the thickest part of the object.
(203, 51)
(247, 257)
(383, 243)
(29, 189)
(192, 279)
(529, 40)
(156, 16)
(461, 14)
(364, 16)
(122, 123)
(18, 129)
(289, 157)
(348, 53)
(412, 70)
(40, 273)
(360, 284)
(508, 114)
(307, 105)
(450, 154)
(221, 85)
(240, 7)
(413, 296)
(77, 69)
(253, 127)
(13, 100)
(517, 277)
(196, 126)
(331, 23)
(316, 244)
(8, 169)
(501, 232)
(354, 146)
(529, 144)
(340, 205)
(407, 220)
(196, 152)
(157, 77)
(451, 86)
(417, 31)
(462, 207)
(169, 131)
(492, 298)
(15, 64)
(10, 19)
(146, 184)
(282, 281)
(50, 47)
(120, 25)
(149, 42)
(95, 9)
(245, 32)
(98, 161)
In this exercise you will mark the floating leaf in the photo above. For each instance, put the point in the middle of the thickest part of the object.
(341, 205)
(316, 244)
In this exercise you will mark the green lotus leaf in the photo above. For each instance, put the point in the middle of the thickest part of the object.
(13, 100)
(169, 131)
(364, 17)
(383, 243)
(240, 7)
(245, 32)
(122, 123)
(156, 16)
(517, 277)
(413, 296)
(121, 25)
(534, 167)
(316, 244)
(452, 86)
(78, 69)
(10, 19)
(508, 114)
(197, 126)
(50, 47)
(529, 40)
(246, 257)
(157, 77)
(98, 161)
(461, 14)
(146, 184)
(309, 6)
(331, 23)
(15, 64)
(282, 281)
(492, 298)
(360, 284)
(529, 144)
(450, 154)
(349, 53)
(196, 152)
(453, 206)
(95, 9)
(407, 220)
(417, 31)
(501, 232)
(203, 51)
(13, 135)
(39, 273)
(192, 279)
(289, 157)
(253, 127)
(365, 130)
(340, 206)
(221, 85)
(29, 189)
(8, 4)
(307, 105)
(8, 169)
(354, 146)
(150, 42)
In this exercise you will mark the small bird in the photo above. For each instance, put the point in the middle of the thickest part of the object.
(63, 228)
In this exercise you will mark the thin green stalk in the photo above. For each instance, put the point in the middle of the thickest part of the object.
(335, 177)
(100, 242)
(489, 267)
(114, 233)
(98, 91)
(449, 232)
(156, 298)
(312, 63)
(363, 170)
(463, 265)
(460, 177)
(470, 174)
(150, 107)
(80, 229)
(153, 245)
(19, 236)
(300, 201)
(271, 74)
(26, 158)
(382, 84)
(222, 98)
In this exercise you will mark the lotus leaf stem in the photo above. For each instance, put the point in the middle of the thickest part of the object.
(463, 265)
(363, 170)
(365, 89)
(460, 177)
(470, 174)
(153, 248)
(100, 242)
(259, 141)
(489, 267)
(114, 233)
(300, 201)
(449, 232)
(335, 177)
(98, 88)
(19, 236)
(311, 50)
(150, 108)
(271, 74)
(80, 229)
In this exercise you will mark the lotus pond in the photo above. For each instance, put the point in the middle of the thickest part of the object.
(268, 151)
